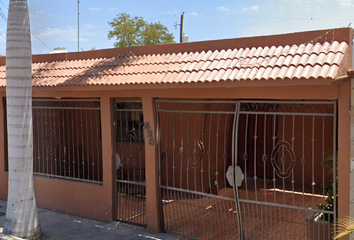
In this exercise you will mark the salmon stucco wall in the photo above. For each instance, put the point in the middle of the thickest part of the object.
(95, 201)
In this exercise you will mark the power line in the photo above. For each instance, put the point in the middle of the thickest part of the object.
(276, 18)
(3, 4)
(2, 15)
(41, 41)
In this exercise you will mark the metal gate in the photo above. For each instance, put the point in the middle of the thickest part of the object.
(280, 156)
(287, 153)
(195, 139)
(129, 162)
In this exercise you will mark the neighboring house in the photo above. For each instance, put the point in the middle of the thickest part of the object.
(152, 135)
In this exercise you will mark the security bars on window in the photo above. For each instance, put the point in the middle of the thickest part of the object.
(67, 139)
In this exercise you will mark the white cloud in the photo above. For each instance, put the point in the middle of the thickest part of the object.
(95, 9)
(194, 14)
(222, 9)
(345, 3)
(68, 34)
(253, 8)
(90, 26)
(113, 9)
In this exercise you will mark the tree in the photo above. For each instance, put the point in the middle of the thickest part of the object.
(134, 31)
(21, 214)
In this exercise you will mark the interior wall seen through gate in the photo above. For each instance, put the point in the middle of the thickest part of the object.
(209, 136)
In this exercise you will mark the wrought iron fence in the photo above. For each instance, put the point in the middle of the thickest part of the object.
(67, 139)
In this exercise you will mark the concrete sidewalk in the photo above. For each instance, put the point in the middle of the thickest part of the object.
(57, 226)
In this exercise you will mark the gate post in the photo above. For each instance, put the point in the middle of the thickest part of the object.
(151, 166)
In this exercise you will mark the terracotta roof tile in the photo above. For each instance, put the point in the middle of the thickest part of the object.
(303, 61)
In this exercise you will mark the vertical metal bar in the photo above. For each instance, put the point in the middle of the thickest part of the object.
(46, 139)
(217, 155)
(181, 175)
(60, 117)
(313, 161)
(82, 160)
(274, 174)
(283, 164)
(173, 193)
(56, 142)
(303, 161)
(159, 166)
(202, 162)
(88, 149)
(49, 138)
(38, 168)
(292, 176)
(173, 150)
(225, 152)
(335, 162)
(209, 152)
(69, 144)
(255, 174)
(188, 137)
(323, 163)
(73, 142)
(264, 159)
(98, 135)
(195, 153)
(181, 153)
(166, 147)
(128, 140)
(234, 150)
(78, 159)
(64, 143)
(93, 146)
(245, 158)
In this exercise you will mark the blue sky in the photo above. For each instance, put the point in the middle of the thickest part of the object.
(54, 23)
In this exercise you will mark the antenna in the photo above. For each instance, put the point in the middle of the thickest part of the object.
(78, 25)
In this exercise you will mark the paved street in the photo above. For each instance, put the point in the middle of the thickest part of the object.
(57, 226)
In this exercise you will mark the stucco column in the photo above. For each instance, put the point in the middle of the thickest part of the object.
(152, 167)
(107, 156)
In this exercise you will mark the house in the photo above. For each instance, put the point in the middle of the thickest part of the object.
(158, 135)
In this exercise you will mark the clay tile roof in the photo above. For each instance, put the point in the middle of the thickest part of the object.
(247, 62)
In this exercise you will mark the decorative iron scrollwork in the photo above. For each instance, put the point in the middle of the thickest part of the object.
(283, 171)
(51, 142)
(195, 152)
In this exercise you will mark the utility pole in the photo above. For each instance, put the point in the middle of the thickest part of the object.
(78, 25)
(181, 33)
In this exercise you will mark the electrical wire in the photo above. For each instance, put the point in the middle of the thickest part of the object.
(276, 18)
(3, 16)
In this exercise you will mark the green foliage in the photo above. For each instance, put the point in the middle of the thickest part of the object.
(329, 205)
(135, 31)
(345, 226)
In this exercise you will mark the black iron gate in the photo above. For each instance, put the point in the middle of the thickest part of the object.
(129, 162)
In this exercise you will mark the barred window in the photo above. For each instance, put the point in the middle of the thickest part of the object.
(67, 139)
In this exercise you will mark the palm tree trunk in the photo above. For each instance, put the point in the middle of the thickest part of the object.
(21, 215)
